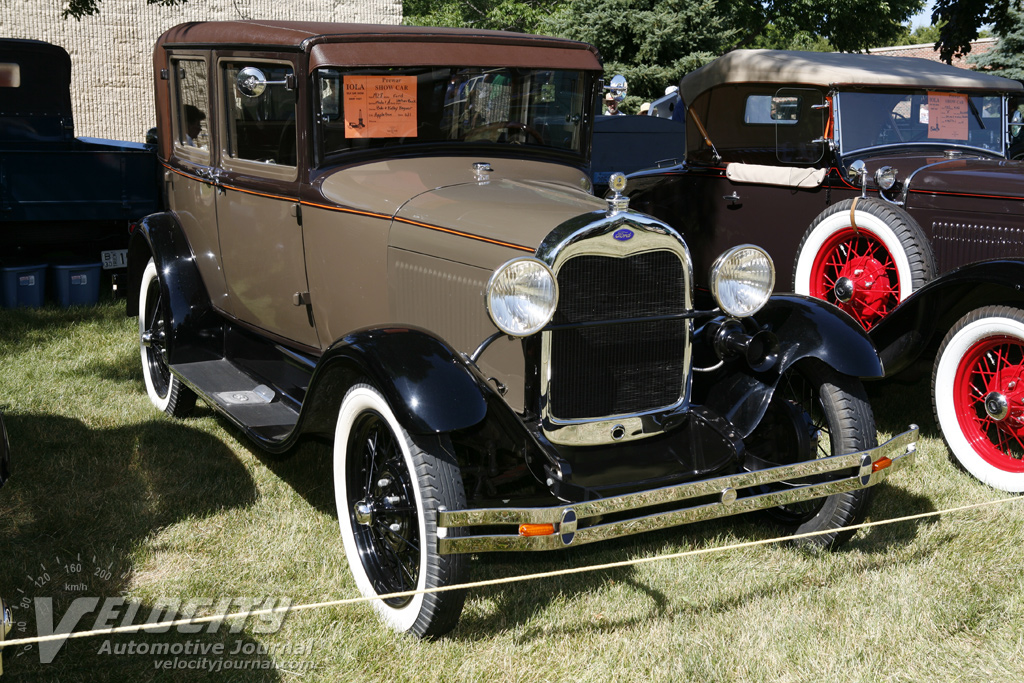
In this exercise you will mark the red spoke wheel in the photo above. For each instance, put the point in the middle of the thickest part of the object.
(855, 271)
(865, 257)
(978, 395)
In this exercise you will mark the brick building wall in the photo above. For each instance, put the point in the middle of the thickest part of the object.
(928, 51)
(111, 53)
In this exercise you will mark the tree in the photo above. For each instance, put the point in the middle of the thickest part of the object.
(1007, 57)
(651, 42)
(654, 42)
(960, 20)
(77, 9)
(526, 16)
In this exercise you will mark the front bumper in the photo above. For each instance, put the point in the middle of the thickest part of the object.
(579, 523)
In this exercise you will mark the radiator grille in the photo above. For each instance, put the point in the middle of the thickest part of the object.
(624, 368)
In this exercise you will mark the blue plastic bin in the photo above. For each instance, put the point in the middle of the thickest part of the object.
(23, 286)
(76, 284)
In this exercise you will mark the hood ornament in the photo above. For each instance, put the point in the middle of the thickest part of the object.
(482, 171)
(617, 202)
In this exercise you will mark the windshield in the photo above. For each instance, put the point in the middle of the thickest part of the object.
(945, 119)
(375, 108)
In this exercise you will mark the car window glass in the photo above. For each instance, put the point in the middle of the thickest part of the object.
(772, 109)
(261, 128)
(789, 115)
(878, 119)
(364, 109)
(191, 121)
(800, 115)
(10, 75)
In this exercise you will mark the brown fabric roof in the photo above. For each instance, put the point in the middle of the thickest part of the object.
(836, 68)
(354, 42)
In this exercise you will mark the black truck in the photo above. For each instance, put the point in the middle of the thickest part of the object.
(58, 193)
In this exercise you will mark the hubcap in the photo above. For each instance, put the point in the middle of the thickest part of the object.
(363, 513)
(857, 273)
(997, 406)
(988, 397)
(844, 290)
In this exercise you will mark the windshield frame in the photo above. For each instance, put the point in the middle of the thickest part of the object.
(913, 96)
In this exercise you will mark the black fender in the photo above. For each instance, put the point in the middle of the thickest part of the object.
(193, 324)
(805, 328)
(431, 387)
(922, 320)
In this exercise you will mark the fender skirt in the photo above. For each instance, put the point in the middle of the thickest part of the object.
(805, 328)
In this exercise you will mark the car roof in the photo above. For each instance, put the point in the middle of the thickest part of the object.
(836, 68)
(378, 44)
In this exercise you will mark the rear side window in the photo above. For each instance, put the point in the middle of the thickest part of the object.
(772, 109)
(191, 115)
(10, 75)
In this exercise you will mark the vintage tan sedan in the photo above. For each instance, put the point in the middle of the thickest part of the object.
(386, 235)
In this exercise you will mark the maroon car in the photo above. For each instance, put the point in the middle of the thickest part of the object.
(867, 177)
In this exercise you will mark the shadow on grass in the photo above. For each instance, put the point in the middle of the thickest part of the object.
(517, 604)
(79, 504)
(897, 404)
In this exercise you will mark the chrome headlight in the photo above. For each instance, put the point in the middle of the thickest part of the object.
(742, 280)
(885, 177)
(522, 296)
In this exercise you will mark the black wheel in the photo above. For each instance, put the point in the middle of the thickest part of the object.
(388, 491)
(865, 266)
(165, 390)
(815, 413)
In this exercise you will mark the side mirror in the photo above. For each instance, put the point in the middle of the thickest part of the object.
(618, 87)
(252, 82)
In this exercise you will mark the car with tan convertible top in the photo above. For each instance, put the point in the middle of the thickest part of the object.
(386, 235)
(886, 186)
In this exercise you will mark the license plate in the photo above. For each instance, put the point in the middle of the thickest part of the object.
(114, 258)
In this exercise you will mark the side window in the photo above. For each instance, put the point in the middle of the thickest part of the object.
(10, 75)
(191, 120)
(772, 109)
(260, 125)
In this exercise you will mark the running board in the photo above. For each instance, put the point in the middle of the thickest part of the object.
(254, 406)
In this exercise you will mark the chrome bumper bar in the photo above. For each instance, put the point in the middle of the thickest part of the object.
(873, 466)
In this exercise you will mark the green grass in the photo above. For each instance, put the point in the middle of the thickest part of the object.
(185, 509)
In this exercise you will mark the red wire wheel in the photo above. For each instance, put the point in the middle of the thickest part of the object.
(978, 395)
(988, 396)
(865, 256)
(855, 271)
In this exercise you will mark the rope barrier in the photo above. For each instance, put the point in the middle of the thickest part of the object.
(135, 628)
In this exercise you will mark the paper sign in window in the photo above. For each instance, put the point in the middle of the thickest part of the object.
(948, 116)
(380, 106)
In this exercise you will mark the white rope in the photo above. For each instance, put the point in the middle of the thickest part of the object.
(135, 628)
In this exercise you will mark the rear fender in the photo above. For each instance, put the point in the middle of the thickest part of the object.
(920, 322)
(196, 330)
